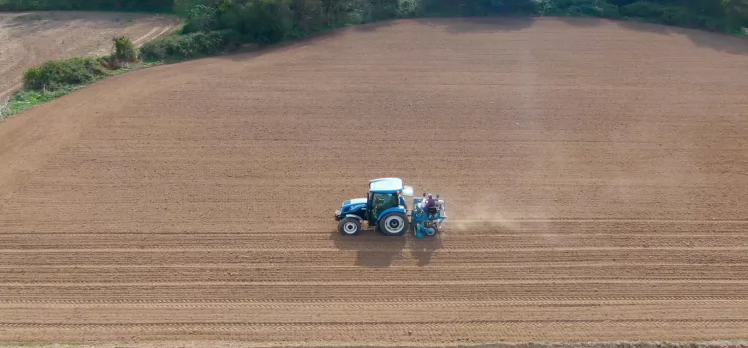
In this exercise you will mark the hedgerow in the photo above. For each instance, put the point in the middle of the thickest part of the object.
(91, 5)
(58, 74)
(191, 45)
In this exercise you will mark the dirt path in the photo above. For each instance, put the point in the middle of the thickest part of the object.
(31, 38)
(594, 172)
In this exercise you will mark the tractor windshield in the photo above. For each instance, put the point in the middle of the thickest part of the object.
(382, 201)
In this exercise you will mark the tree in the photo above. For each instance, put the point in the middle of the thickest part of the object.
(737, 11)
(124, 50)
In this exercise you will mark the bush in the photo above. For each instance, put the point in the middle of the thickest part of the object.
(408, 8)
(29, 98)
(478, 7)
(643, 9)
(199, 18)
(124, 50)
(674, 15)
(59, 74)
(187, 46)
(593, 8)
(713, 24)
(107, 5)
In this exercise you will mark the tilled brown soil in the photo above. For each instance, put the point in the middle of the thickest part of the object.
(594, 173)
(31, 38)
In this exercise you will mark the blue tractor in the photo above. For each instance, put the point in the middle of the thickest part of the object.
(385, 209)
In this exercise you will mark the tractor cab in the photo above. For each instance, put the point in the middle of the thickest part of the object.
(384, 208)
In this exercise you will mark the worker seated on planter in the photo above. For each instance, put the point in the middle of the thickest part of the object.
(431, 206)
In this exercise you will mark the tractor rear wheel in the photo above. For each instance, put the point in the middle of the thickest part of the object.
(349, 226)
(394, 224)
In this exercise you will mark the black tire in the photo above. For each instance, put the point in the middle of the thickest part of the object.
(394, 224)
(349, 226)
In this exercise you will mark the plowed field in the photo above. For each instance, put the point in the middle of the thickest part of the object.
(31, 38)
(594, 173)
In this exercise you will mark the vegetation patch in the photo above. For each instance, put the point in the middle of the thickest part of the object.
(29, 98)
(675, 15)
(89, 5)
(124, 52)
(60, 74)
(178, 47)
(54, 79)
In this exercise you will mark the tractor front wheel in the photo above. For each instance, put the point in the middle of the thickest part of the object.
(394, 224)
(349, 226)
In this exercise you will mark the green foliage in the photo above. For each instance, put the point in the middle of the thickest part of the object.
(643, 9)
(124, 50)
(408, 8)
(104, 5)
(66, 73)
(736, 12)
(29, 98)
(592, 8)
(187, 46)
(674, 15)
(262, 21)
(270, 21)
(58, 74)
(478, 7)
(199, 15)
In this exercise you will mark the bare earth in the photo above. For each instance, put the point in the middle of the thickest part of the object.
(594, 172)
(31, 38)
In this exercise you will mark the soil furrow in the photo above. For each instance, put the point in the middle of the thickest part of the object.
(322, 241)
(374, 292)
(240, 273)
(375, 314)
(371, 258)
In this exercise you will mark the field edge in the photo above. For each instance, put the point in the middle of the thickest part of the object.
(733, 343)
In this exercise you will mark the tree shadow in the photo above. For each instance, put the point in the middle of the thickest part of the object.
(372, 248)
(466, 25)
(717, 41)
(373, 26)
(582, 22)
(251, 51)
(493, 24)
(454, 25)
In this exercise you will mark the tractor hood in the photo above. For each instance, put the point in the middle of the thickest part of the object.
(352, 206)
(355, 201)
(356, 206)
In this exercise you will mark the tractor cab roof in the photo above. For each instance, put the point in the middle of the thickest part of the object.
(385, 185)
